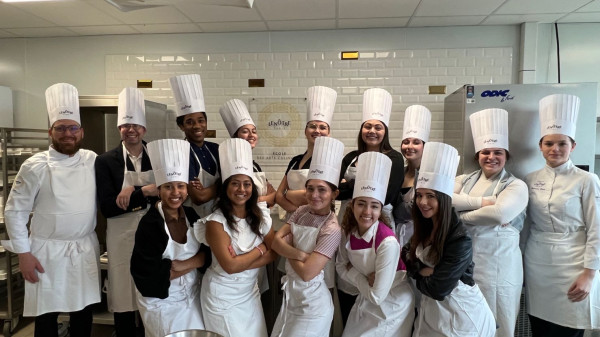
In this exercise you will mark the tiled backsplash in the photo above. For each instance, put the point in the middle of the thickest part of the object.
(406, 74)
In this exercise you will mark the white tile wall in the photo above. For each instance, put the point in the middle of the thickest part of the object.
(406, 74)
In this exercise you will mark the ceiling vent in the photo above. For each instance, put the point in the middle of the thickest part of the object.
(132, 5)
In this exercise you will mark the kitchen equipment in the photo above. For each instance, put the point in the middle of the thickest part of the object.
(521, 102)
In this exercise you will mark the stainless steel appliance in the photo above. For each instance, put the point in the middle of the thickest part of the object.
(521, 102)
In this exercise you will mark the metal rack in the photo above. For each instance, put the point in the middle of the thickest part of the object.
(17, 145)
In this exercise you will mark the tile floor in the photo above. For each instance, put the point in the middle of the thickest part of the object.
(26, 326)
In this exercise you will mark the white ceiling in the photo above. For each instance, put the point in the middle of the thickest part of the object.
(96, 17)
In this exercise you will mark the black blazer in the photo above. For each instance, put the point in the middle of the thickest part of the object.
(455, 264)
(109, 180)
(149, 270)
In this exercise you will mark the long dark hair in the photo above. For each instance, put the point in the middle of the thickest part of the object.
(424, 226)
(384, 147)
(349, 223)
(253, 213)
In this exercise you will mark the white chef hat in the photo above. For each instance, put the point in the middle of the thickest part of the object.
(417, 123)
(170, 159)
(235, 156)
(438, 168)
(558, 114)
(131, 109)
(320, 104)
(189, 97)
(62, 101)
(377, 104)
(490, 129)
(235, 115)
(326, 160)
(372, 176)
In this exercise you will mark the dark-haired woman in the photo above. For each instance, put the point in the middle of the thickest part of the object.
(369, 258)
(439, 255)
(562, 256)
(415, 133)
(309, 241)
(320, 106)
(373, 136)
(204, 156)
(492, 203)
(239, 234)
(166, 255)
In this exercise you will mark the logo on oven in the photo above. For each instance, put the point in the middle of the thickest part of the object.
(498, 93)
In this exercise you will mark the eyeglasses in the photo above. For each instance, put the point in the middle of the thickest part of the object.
(64, 128)
(321, 127)
(136, 127)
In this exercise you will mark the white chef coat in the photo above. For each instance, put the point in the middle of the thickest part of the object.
(564, 238)
(61, 192)
(231, 302)
(498, 262)
(386, 308)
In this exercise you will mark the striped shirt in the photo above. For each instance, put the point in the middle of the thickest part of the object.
(330, 233)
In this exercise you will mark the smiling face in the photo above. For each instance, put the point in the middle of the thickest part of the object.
(64, 140)
(248, 132)
(372, 133)
(173, 194)
(412, 149)
(366, 211)
(319, 196)
(239, 189)
(132, 134)
(427, 202)
(315, 129)
(491, 161)
(194, 126)
(556, 149)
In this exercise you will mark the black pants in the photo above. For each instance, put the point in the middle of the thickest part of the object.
(542, 328)
(80, 325)
(346, 304)
(125, 324)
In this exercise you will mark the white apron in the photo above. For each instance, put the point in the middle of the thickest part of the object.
(405, 228)
(394, 316)
(231, 303)
(207, 180)
(307, 308)
(260, 180)
(553, 262)
(63, 240)
(120, 238)
(296, 181)
(181, 310)
(463, 313)
(498, 270)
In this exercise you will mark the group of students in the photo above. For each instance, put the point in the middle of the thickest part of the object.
(414, 250)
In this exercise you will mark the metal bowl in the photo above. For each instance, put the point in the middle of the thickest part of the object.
(194, 333)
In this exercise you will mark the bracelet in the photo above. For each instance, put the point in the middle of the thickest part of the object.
(260, 250)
